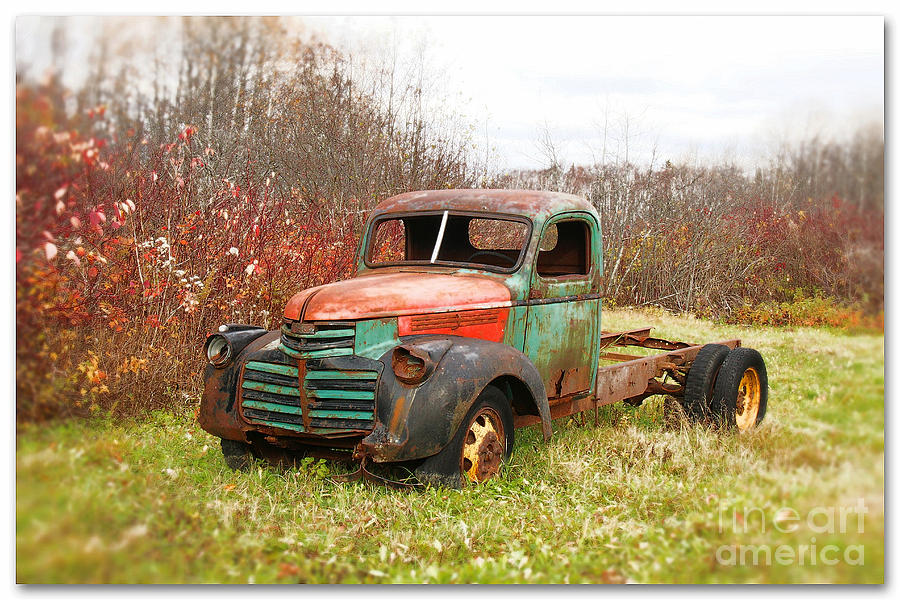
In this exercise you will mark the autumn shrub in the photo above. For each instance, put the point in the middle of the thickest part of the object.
(825, 260)
(122, 268)
(804, 311)
(825, 248)
(714, 241)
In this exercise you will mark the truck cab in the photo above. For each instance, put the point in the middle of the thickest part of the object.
(540, 251)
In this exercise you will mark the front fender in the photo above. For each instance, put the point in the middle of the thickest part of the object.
(417, 421)
(218, 414)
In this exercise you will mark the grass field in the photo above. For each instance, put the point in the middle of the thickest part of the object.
(633, 499)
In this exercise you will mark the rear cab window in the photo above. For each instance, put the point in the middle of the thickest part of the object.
(565, 249)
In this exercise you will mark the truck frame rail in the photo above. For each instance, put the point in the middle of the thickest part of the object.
(634, 377)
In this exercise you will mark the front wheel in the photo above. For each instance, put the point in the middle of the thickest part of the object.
(238, 455)
(489, 437)
(482, 442)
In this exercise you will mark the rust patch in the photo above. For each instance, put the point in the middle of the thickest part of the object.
(398, 293)
(531, 203)
(304, 397)
(399, 410)
(569, 381)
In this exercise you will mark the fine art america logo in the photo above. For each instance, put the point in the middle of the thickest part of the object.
(823, 521)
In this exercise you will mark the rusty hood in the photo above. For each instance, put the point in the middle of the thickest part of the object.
(390, 294)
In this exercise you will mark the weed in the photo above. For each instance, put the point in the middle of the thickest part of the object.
(633, 499)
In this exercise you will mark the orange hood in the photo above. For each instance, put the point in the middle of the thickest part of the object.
(395, 294)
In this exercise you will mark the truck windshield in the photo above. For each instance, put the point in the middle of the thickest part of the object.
(447, 238)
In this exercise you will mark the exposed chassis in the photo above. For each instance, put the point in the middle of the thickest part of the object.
(634, 378)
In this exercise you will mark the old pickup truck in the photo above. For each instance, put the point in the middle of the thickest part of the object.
(472, 313)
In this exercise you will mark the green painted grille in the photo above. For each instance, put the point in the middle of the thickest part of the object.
(327, 340)
(336, 400)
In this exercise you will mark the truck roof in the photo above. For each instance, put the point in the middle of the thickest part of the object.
(530, 203)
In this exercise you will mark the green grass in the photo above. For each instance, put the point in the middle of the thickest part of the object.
(633, 499)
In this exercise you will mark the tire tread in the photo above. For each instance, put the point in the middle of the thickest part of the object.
(726, 388)
(698, 389)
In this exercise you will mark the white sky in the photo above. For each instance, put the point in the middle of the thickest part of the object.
(688, 87)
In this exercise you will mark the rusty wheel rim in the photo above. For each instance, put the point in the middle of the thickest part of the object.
(483, 446)
(748, 397)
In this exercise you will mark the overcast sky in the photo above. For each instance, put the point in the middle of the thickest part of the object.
(686, 86)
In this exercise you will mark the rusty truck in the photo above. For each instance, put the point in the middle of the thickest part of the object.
(472, 313)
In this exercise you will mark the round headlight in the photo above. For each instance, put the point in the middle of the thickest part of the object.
(218, 350)
(408, 367)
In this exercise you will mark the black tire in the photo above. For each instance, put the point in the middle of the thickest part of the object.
(447, 467)
(238, 455)
(701, 379)
(741, 392)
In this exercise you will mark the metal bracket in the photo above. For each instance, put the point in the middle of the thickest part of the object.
(363, 473)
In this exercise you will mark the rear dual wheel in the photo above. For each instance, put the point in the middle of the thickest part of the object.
(741, 392)
(701, 378)
(727, 387)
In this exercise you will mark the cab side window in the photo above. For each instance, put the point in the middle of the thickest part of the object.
(565, 249)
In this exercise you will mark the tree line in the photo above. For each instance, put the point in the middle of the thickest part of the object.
(207, 168)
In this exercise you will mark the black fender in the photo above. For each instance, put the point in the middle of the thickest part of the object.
(217, 413)
(417, 421)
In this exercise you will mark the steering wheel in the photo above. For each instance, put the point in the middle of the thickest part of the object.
(511, 261)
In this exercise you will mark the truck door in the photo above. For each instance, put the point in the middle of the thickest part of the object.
(563, 322)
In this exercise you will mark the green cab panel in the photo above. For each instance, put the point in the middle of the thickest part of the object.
(560, 341)
(563, 322)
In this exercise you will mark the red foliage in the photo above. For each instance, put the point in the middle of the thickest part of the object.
(138, 260)
(834, 248)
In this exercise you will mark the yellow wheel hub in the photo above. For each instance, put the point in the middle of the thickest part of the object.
(748, 397)
(483, 446)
